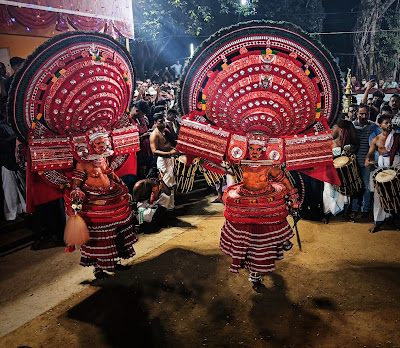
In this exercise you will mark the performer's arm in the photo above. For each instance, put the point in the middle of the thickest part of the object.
(293, 197)
(278, 175)
(112, 176)
(370, 159)
(79, 176)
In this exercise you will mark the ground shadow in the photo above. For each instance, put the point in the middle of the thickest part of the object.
(184, 299)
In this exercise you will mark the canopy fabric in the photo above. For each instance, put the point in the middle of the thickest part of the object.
(111, 16)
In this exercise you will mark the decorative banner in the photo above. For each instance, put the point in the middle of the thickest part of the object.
(109, 16)
(202, 140)
(308, 151)
(126, 140)
(50, 154)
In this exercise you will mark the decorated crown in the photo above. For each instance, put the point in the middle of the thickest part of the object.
(262, 77)
(97, 132)
(258, 139)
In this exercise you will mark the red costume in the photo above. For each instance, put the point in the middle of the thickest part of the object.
(69, 102)
(260, 94)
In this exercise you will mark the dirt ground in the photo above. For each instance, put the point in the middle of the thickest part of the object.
(342, 290)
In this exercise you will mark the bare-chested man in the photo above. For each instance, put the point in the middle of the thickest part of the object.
(165, 153)
(379, 144)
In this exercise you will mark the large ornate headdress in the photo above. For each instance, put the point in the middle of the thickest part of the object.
(262, 77)
(72, 83)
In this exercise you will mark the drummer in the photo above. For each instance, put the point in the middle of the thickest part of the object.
(366, 131)
(345, 142)
(388, 156)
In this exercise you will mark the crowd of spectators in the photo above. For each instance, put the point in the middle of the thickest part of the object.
(365, 122)
(154, 111)
(388, 86)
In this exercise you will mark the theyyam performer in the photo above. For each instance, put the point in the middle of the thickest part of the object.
(69, 104)
(261, 95)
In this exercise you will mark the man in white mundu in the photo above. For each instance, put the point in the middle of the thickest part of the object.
(388, 156)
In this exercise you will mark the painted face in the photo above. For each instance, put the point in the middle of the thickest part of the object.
(100, 145)
(255, 151)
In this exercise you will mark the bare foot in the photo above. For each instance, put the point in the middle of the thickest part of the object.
(374, 229)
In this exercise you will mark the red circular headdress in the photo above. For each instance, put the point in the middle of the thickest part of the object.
(74, 82)
(71, 83)
(262, 77)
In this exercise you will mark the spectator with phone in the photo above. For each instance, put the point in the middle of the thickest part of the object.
(377, 98)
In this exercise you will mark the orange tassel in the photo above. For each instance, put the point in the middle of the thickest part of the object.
(76, 231)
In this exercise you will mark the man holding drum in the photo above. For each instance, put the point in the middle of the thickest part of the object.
(344, 146)
(366, 131)
(388, 156)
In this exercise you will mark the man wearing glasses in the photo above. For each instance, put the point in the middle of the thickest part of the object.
(366, 131)
(352, 112)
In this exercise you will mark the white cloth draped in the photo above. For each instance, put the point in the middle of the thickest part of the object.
(14, 202)
(379, 214)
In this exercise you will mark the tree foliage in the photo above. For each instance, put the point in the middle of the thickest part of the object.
(157, 22)
(366, 39)
(308, 14)
(388, 44)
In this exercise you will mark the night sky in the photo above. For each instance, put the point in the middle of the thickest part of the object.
(341, 15)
